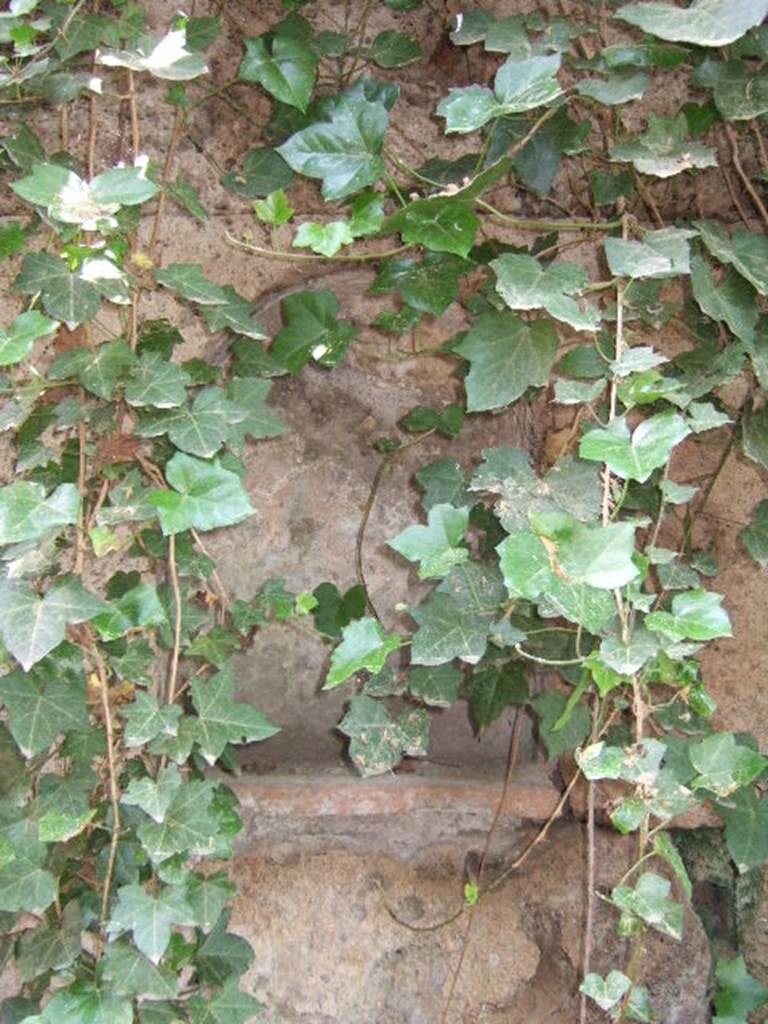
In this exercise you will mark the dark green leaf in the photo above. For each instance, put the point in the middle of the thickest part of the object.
(441, 224)
(437, 686)
(312, 331)
(394, 49)
(200, 429)
(429, 286)
(66, 296)
(491, 690)
(755, 536)
(264, 172)
(550, 706)
(284, 66)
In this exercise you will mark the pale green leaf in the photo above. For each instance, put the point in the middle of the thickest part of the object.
(600, 556)
(739, 994)
(325, 239)
(615, 90)
(166, 58)
(149, 916)
(155, 381)
(145, 719)
(606, 992)
(154, 797)
(695, 615)
(439, 546)
(221, 719)
(27, 514)
(724, 765)
(204, 496)
(649, 900)
(364, 645)
(524, 283)
(745, 252)
(732, 302)
(665, 149)
(635, 456)
(17, 342)
(705, 22)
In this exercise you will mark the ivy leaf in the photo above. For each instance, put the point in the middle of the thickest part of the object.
(606, 992)
(723, 764)
(98, 370)
(344, 151)
(739, 994)
(550, 707)
(127, 972)
(250, 416)
(17, 342)
(149, 917)
(665, 149)
(275, 210)
(635, 457)
(205, 496)
(146, 719)
(664, 253)
(312, 331)
(27, 514)
(154, 797)
(188, 198)
(739, 95)
(189, 280)
(437, 547)
(228, 1006)
(155, 381)
(428, 286)
(264, 172)
(206, 895)
(83, 1003)
(732, 302)
(524, 283)
(32, 626)
(284, 66)
(24, 885)
(46, 701)
(364, 645)
(746, 828)
(755, 536)
(394, 49)
(376, 739)
(695, 615)
(199, 430)
(440, 224)
(443, 481)
(437, 686)
(66, 296)
(234, 314)
(221, 719)
(507, 355)
(166, 58)
(705, 22)
(519, 85)
(447, 631)
(51, 948)
(325, 239)
(223, 956)
(754, 437)
(491, 690)
(649, 901)
(745, 252)
(189, 826)
(601, 556)
(616, 89)
(124, 186)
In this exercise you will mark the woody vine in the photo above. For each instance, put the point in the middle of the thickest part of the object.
(119, 696)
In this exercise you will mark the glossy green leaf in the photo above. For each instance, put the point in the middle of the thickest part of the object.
(665, 149)
(325, 239)
(740, 95)
(695, 615)
(447, 631)
(154, 797)
(83, 1003)
(204, 496)
(149, 916)
(264, 173)
(364, 645)
(635, 456)
(250, 416)
(189, 825)
(189, 280)
(507, 355)
(438, 546)
(126, 186)
(600, 556)
(200, 429)
(429, 285)
(392, 49)
(275, 210)
(732, 302)
(705, 22)
(18, 341)
(745, 252)
(221, 719)
(664, 253)
(524, 283)
(441, 224)
(344, 151)
(724, 765)
(27, 514)
(166, 58)
(312, 331)
(66, 296)
(284, 66)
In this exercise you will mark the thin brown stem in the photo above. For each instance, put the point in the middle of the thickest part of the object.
(301, 257)
(745, 179)
(173, 672)
(81, 490)
(170, 156)
(133, 108)
(114, 792)
(589, 917)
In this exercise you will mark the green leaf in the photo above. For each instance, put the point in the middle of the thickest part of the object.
(27, 514)
(127, 972)
(189, 280)
(312, 331)
(443, 481)
(635, 457)
(524, 283)
(428, 286)
(149, 916)
(437, 547)
(284, 66)
(754, 436)
(275, 210)
(223, 956)
(264, 173)
(664, 253)
(189, 826)
(519, 85)
(32, 626)
(364, 645)
(739, 993)
(205, 496)
(600, 556)
(614, 90)
(206, 895)
(665, 149)
(376, 740)
(66, 296)
(507, 355)
(17, 342)
(154, 797)
(705, 22)
(526, 565)
(395, 49)
(367, 214)
(724, 765)
(491, 690)
(739, 95)
(695, 615)
(250, 416)
(199, 430)
(746, 828)
(447, 630)
(221, 719)
(228, 1006)
(550, 706)
(188, 198)
(234, 314)
(665, 848)
(649, 901)
(51, 948)
(156, 382)
(146, 719)
(83, 1003)
(437, 686)
(126, 186)
(344, 151)
(745, 252)
(755, 536)
(732, 302)
(325, 239)
(447, 224)
(606, 992)
(98, 370)
(166, 58)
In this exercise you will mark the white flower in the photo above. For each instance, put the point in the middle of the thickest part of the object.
(75, 205)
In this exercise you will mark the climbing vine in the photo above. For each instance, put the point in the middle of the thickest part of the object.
(118, 690)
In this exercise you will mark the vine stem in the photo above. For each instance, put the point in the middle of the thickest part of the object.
(745, 179)
(301, 257)
(527, 224)
(175, 654)
(589, 919)
(114, 794)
